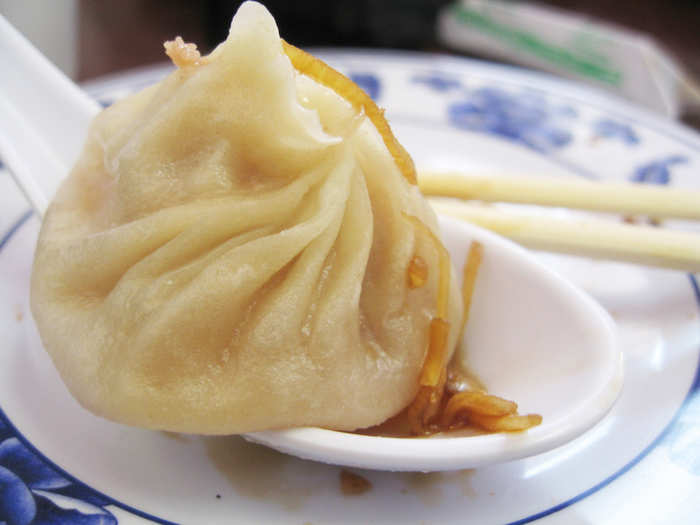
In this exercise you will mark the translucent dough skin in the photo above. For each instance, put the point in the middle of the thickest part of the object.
(229, 255)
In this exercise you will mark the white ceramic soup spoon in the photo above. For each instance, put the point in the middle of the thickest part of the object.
(531, 337)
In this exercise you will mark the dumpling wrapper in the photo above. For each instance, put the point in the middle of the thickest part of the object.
(230, 254)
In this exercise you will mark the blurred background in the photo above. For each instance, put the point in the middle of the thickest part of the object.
(90, 38)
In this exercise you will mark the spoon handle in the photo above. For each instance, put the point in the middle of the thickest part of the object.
(44, 117)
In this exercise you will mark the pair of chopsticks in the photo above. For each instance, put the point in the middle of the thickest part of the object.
(591, 237)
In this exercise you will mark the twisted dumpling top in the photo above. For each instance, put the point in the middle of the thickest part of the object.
(230, 253)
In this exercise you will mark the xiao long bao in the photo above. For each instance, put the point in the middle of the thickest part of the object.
(233, 251)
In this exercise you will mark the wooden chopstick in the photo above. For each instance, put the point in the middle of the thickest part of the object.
(625, 198)
(594, 238)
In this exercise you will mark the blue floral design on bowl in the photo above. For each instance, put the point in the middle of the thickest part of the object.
(657, 171)
(611, 129)
(369, 83)
(437, 82)
(526, 118)
(31, 492)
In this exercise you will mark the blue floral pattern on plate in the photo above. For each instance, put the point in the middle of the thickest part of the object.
(437, 81)
(658, 171)
(526, 118)
(369, 82)
(612, 129)
(33, 493)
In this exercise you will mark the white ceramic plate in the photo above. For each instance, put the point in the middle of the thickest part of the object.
(59, 467)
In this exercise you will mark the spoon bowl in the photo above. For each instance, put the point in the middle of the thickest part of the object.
(532, 337)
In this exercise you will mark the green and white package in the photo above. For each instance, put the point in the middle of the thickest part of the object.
(574, 46)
